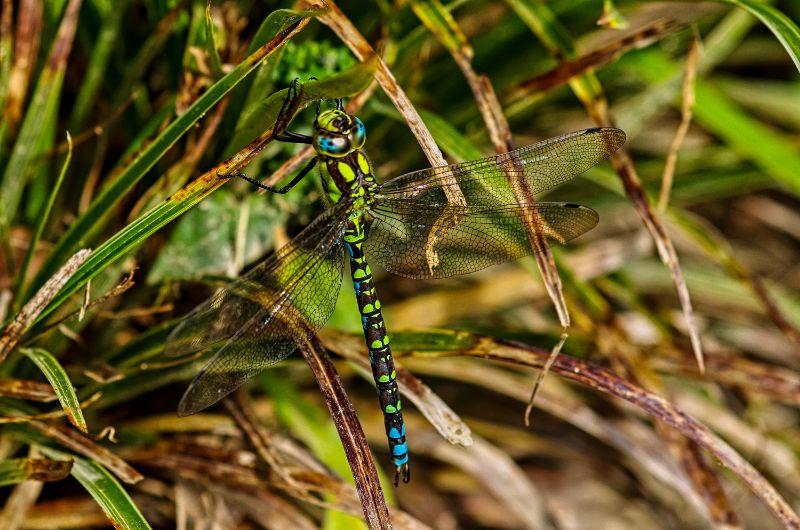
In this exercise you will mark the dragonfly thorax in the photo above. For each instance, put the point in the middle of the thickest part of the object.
(352, 176)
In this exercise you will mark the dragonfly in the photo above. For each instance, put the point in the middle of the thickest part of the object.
(409, 225)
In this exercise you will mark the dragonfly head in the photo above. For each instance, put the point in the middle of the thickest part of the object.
(338, 133)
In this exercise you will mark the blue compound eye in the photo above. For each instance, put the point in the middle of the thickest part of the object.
(331, 145)
(358, 135)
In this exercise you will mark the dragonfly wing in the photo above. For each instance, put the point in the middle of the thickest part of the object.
(539, 167)
(415, 239)
(258, 319)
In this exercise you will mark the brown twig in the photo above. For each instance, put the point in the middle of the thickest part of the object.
(353, 440)
(692, 58)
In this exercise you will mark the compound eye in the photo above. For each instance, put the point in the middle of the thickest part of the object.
(331, 145)
(358, 135)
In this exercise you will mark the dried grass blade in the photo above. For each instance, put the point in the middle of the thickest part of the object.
(692, 59)
(28, 314)
(602, 380)
(353, 440)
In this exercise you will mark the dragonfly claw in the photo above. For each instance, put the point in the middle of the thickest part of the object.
(403, 471)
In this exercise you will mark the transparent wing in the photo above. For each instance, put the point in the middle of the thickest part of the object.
(535, 168)
(416, 239)
(258, 319)
(418, 233)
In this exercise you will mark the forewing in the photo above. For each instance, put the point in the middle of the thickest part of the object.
(538, 167)
(258, 319)
(413, 238)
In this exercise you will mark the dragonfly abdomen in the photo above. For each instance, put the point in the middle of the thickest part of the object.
(380, 353)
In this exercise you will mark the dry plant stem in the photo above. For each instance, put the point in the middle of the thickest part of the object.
(354, 442)
(623, 165)
(59, 413)
(16, 328)
(21, 499)
(500, 134)
(242, 413)
(25, 389)
(543, 372)
(607, 382)
(687, 104)
(435, 410)
(26, 50)
(703, 477)
(566, 70)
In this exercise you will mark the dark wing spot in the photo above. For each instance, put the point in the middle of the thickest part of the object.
(571, 205)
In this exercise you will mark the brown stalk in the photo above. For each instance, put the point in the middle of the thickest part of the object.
(353, 440)
(26, 389)
(607, 382)
(692, 58)
(435, 410)
(14, 331)
(26, 50)
(568, 69)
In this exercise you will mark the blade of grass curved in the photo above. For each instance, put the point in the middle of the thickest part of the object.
(194, 192)
(147, 158)
(779, 24)
(105, 490)
(31, 143)
(61, 384)
(432, 344)
(19, 470)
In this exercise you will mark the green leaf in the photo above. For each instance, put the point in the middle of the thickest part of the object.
(218, 237)
(105, 490)
(18, 470)
(60, 382)
(781, 26)
(84, 226)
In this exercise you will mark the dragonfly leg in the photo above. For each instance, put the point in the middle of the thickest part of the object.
(275, 189)
(294, 138)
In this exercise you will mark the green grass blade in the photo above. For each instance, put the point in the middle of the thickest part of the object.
(105, 490)
(31, 143)
(784, 29)
(211, 44)
(42, 222)
(98, 64)
(766, 148)
(60, 382)
(147, 158)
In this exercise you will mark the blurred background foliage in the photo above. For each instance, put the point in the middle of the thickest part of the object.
(157, 94)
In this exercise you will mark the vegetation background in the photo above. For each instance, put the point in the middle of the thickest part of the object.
(694, 261)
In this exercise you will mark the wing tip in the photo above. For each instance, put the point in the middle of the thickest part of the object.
(617, 137)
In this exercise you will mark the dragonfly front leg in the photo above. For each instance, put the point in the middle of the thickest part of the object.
(275, 189)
